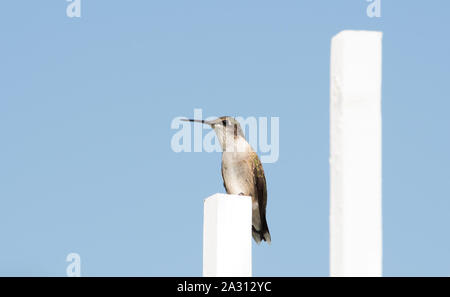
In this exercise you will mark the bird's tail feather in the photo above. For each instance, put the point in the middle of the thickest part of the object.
(267, 237)
(261, 235)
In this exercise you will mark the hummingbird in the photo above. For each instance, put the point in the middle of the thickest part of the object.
(242, 171)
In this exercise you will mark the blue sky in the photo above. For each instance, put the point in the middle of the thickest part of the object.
(86, 106)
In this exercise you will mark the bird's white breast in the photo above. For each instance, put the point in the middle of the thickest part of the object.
(235, 168)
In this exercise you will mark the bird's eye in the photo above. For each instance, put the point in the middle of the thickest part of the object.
(224, 123)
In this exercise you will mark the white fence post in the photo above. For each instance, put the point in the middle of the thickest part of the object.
(355, 154)
(227, 236)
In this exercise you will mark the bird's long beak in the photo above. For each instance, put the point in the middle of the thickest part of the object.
(198, 121)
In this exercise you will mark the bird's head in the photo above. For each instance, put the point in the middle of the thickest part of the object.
(226, 128)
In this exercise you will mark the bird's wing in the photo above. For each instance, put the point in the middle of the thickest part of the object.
(261, 194)
(260, 185)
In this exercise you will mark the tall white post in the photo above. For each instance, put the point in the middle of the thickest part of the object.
(355, 154)
(227, 236)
